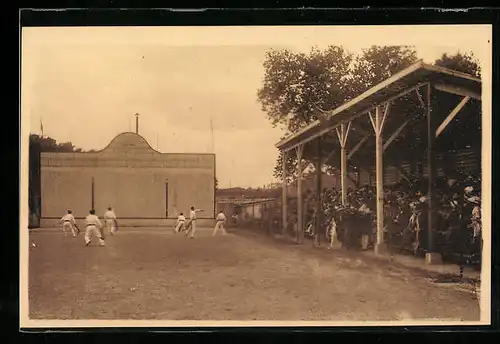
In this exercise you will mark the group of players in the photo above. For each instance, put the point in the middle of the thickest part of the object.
(189, 227)
(94, 227)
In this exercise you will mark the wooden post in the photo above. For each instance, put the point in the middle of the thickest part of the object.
(342, 135)
(319, 199)
(378, 127)
(300, 220)
(379, 170)
(431, 256)
(343, 173)
(284, 196)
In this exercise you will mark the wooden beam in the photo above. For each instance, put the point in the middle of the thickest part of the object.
(454, 73)
(339, 135)
(357, 146)
(300, 224)
(420, 99)
(373, 122)
(386, 112)
(306, 166)
(457, 90)
(329, 156)
(346, 133)
(395, 134)
(452, 115)
(343, 133)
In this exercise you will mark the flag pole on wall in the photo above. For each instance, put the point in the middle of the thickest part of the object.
(41, 127)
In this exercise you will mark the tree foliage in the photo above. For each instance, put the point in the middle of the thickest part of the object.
(48, 144)
(378, 63)
(297, 84)
(461, 62)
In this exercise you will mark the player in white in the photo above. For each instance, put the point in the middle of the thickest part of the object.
(110, 220)
(181, 223)
(221, 219)
(69, 224)
(191, 226)
(93, 227)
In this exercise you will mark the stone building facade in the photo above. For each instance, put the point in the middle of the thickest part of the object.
(139, 182)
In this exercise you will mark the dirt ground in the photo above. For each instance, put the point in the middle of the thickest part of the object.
(154, 274)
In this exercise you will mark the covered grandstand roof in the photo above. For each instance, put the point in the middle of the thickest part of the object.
(407, 80)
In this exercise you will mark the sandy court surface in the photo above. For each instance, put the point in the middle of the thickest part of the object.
(151, 274)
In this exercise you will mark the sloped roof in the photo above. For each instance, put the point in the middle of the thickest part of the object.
(392, 88)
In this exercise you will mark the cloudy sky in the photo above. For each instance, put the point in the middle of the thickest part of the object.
(86, 84)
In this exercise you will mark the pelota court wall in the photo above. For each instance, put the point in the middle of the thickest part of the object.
(140, 183)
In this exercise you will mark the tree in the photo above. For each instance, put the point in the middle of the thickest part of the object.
(465, 63)
(296, 85)
(48, 144)
(376, 64)
(38, 144)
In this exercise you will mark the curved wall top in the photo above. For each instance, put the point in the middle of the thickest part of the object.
(128, 142)
(128, 150)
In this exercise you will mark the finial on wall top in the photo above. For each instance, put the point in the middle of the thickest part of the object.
(137, 123)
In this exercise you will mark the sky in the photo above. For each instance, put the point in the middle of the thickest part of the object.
(86, 83)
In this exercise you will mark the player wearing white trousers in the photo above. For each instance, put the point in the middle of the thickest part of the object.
(221, 219)
(191, 226)
(110, 221)
(181, 223)
(68, 224)
(93, 228)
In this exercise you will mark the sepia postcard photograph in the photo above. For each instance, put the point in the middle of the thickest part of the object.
(176, 176)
